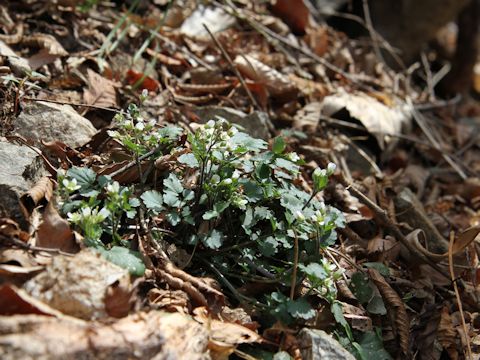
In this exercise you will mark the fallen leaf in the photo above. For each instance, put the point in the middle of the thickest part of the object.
(279, 85)
(101, 91)
(294, 13)
(54, 232)
(381, 121)
(147, 83)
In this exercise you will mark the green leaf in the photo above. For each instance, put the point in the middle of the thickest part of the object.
(269, 246)
(287, 165)
(381, 268)
(189, 159)
(170, 198)
(314, 270)
(337, 311)
(242, 142)
(213, 240)
(153, 200)
(376, 306)
(85, 176)
(300, 309)
(211, 214)
(282, 355)
(252, 191)
(125, 258)
(262, 171)
(169, 133)
(173, 218)
(361, 287)
(278, 145)
(372, 346)
(262, 213)
(173, 183)
(134, 202)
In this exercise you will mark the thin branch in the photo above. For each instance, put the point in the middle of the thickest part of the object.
(234, 68)
(457, 294)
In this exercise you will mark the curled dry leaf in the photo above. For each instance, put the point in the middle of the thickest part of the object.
(40, 193)
(462, 240)
(202, 291)
(278, 84)
(394, 303)
(380, 120)
(224, 336)
(47, 42)
(447, 335)
(169, 300)
(10, 229)
(101, 91)
(54, 232)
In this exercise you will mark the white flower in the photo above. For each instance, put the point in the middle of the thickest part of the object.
(210, 124)
(293, 157)
(70, 185)
(227, 181)
(113, 188)
(140, 126)
(232, 131)
(236, 174)
(215, 179)
(152, 123)
(73, 217)
(224, 136)
(299, 215)
(331, 168)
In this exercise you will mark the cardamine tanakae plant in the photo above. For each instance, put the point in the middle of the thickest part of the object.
(235, 205)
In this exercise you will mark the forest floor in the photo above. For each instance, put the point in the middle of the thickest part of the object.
(137, 223)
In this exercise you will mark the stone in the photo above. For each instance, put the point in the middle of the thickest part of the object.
(20, 168)
(256, 124)
(47, 121)
(318, 345)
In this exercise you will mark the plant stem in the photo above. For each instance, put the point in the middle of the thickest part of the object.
(295, 267)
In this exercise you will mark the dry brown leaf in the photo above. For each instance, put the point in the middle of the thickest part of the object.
(54, 232)
(394, 303)
(153, 335)
(462, 240)
(101, 91)
(16, 301)
(380, 120)
(10, 229)
(126, 177)
(47, 42)
(278, 84)
(384, 248)
(224, 336)
(317, 39)
(169, 300)
(294, 13)
(40, 193)
(80, 286)
(447, 334)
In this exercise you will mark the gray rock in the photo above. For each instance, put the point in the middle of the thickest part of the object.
(255, 124)
(318, 345)
(18, 64)
(47, 121)
(20, 168)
